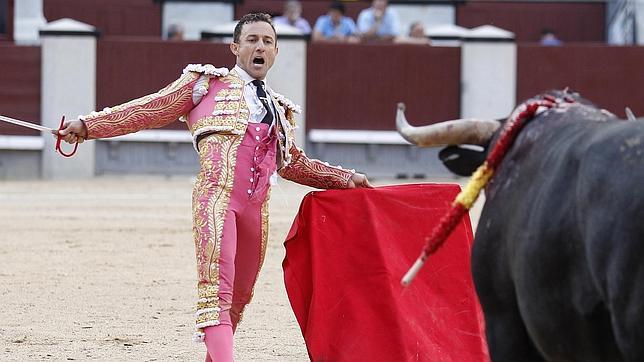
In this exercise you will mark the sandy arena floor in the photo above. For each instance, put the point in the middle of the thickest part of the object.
(104, 270)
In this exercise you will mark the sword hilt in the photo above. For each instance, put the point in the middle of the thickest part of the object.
(59, 139)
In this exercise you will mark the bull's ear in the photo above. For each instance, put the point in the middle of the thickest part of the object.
(462, 161)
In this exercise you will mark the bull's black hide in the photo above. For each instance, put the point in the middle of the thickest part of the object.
(558, 259)
(461, 160)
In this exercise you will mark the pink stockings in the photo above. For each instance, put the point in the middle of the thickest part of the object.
(241, 255)
(219, 342)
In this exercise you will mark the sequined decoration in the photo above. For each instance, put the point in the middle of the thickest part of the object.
(211, 196)
(151, 111)
(230, 113)
(314, 173)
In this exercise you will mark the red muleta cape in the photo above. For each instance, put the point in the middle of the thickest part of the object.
(345, 255)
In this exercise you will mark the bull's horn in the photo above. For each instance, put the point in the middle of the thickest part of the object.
(456, 132)
(630, 115)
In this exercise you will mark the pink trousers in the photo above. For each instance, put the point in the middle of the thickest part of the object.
(230, 226)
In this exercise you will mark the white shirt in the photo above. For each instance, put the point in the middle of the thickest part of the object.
(255, 106)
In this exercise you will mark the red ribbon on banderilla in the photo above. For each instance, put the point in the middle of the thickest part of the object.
(480, 178)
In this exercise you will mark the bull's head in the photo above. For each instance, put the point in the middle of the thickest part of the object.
(462, 160)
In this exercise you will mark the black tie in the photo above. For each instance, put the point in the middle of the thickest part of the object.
(261, 94)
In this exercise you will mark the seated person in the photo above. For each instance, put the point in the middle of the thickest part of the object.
(549, 38)
(292, 16)
(175, 32)
(378, 22)
(416, 35)
(334, 26)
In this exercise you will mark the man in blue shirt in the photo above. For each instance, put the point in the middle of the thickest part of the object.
(549, 38)
(378, 22)
(335, 26)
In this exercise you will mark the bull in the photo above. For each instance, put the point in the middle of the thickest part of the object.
(558, 256)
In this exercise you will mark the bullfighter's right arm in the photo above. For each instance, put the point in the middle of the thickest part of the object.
(314, 173)
(151, 111)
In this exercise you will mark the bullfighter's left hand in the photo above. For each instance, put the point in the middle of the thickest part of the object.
(359, 180)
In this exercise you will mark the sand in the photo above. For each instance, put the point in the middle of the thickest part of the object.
(104, 269)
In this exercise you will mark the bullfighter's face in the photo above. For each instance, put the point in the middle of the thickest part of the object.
(257, 49)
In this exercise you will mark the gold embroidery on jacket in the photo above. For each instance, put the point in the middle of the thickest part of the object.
(223, 123)
(230, 113)
(151, 111)
(314, 173)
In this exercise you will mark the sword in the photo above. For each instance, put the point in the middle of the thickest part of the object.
(25, 124)
(38, 127)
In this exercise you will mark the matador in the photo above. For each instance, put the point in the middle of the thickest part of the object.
(243, 132)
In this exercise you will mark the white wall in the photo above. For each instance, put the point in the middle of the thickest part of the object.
(68, 88)
(28, 18)
(488, 77)
(195, 17)
(288, 77)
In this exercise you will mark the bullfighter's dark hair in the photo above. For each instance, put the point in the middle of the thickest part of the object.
(252, 18)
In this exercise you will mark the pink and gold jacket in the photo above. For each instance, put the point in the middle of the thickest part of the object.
(211, 100)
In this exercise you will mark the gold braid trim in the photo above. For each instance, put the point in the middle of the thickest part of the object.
(230, 113)
(151, 111)
(265, 229)
(297, 167)
(206, 303)
(206, 318)
(214, 183)
(314, 173)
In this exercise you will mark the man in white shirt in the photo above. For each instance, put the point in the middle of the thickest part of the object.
(293, 17)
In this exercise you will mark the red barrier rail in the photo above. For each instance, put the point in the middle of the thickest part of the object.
(609, 76)
(358, 86)
(19, 86)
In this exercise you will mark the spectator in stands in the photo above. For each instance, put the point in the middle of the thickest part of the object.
(416, 35)
(549, 38)
(292, 16)
(175, 32)
(334, 26)
(378, 22)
